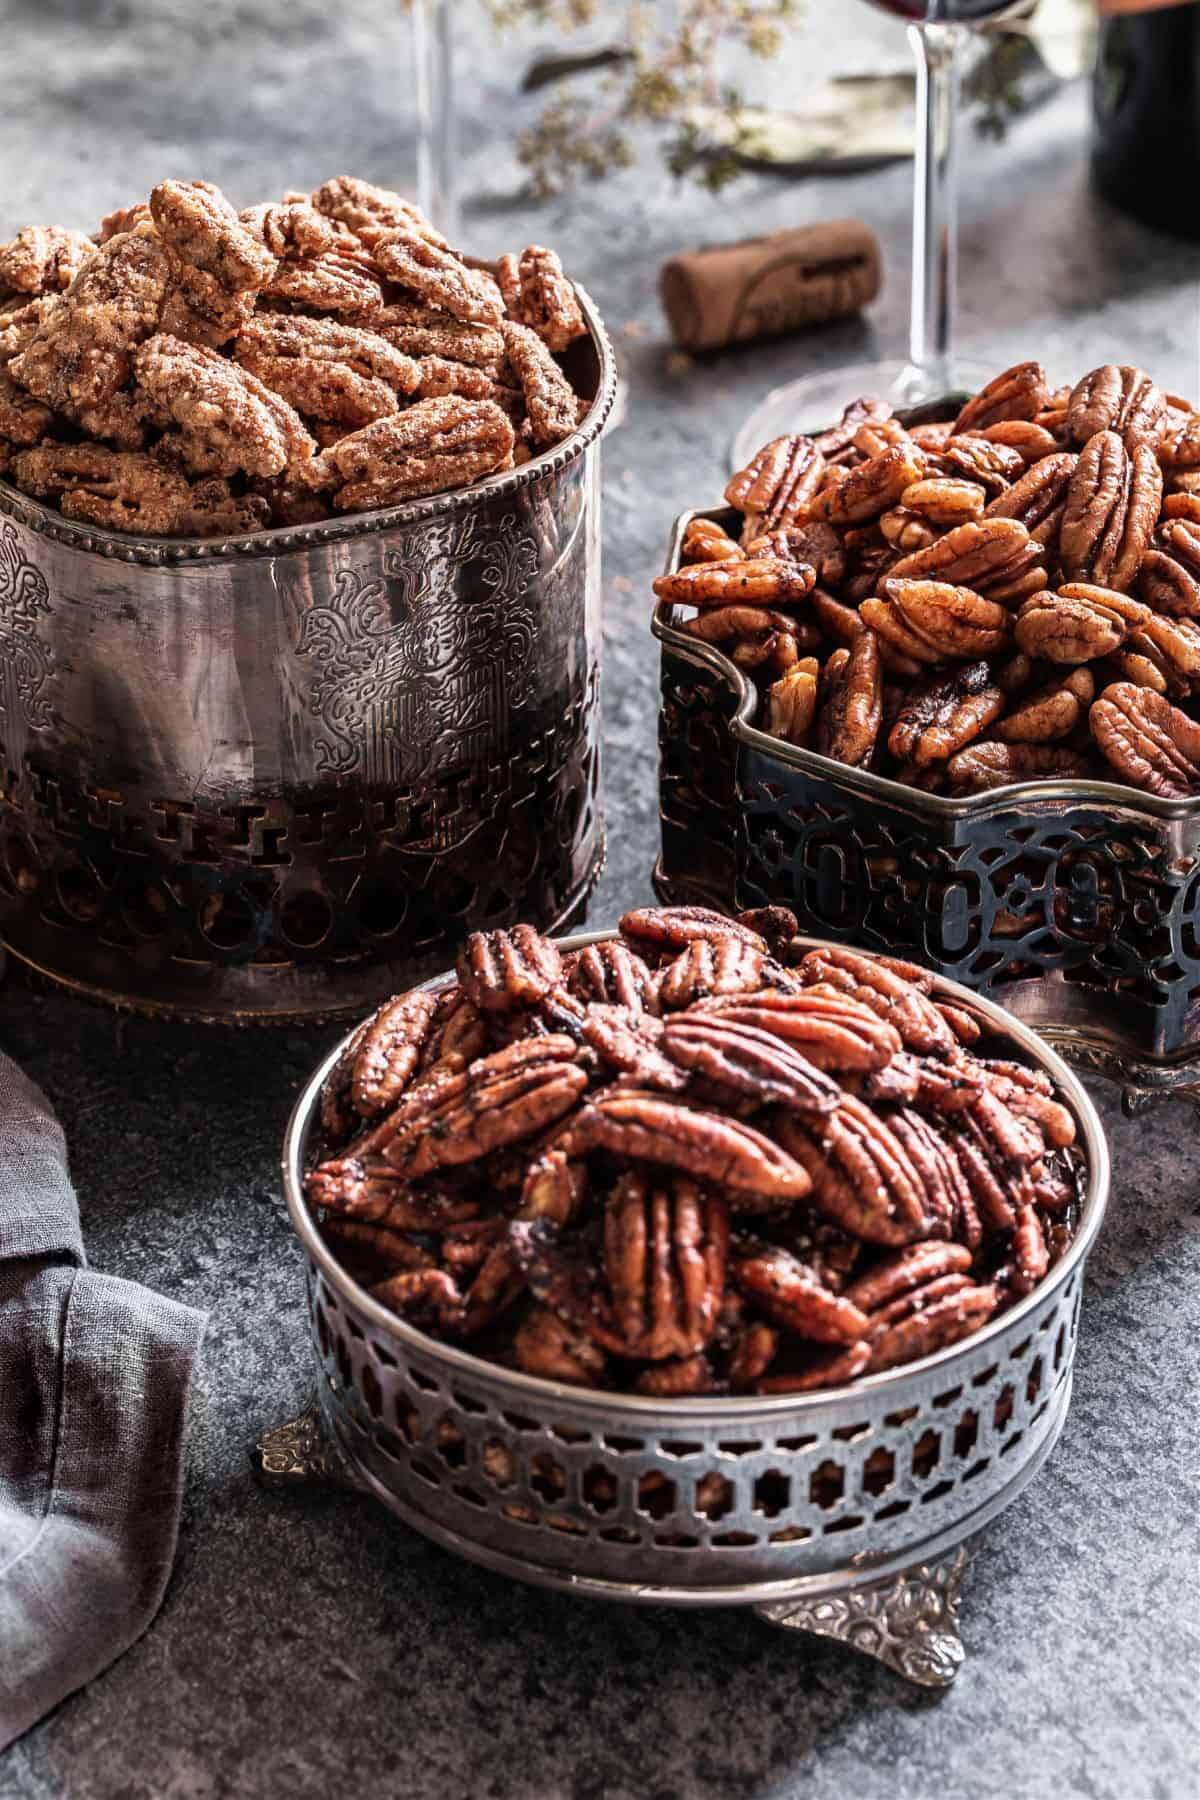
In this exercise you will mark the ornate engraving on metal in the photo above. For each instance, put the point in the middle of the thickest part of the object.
(1076, 905)
(280, 777)
(857, 1497)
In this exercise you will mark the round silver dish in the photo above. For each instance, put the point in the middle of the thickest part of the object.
(278, 777)
(847, 1512)
(1075, 903)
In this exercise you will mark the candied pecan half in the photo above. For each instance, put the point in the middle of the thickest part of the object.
(433, 445)
(127, 490)
(390, 1050)
(833, 1032)
(706, 541)
(944, 712)
(920, 1300)
(500, 971)
(753, 1353)
(754, 1171)
(326, 369)
(227, 419)
(1080, 621)
(673, 1378)
(944, 500)
(344, 1186)
(951, 1209)
(1037, 497)
(614, 974)
(674, 927)
(370, 212)
(898, 1274)
(549, 397)
(1030, 1256)
(1030, 1091)
(498, 1105)
(1110, 513)
(993, 466)
(741, 580)
(428, 1296)
(23, 420)
(905, 530)
(871, 488)
(547, 1345)
(934, 622)
(707, 966)
(197, 221)
(776, 486)
(1167, 585)
(722, 624)
(851, 702)
(553, 1189)
(748, 1061)
(666, 1242)
(438, 277)
(1149, 742)
(1017, 393)
(992, 556)
(814, 543)
(886, 988)
(861, 1175)
(43, 259)
(457, 1036)
(537, 294)
(986, 765)
(1118, 398)
(1031, 441)
(794, 1296)
(792, 702)
(858, 413)
(1050, 712)
(419, 330)
(335, 281)
(832, 1368)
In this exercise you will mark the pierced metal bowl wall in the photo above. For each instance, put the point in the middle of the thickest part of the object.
(1076, 904)
(279, 777)
(602, 1493)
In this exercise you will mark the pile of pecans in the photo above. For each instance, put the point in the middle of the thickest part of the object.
(697, 1157)
(194, 371)
(1013, 595)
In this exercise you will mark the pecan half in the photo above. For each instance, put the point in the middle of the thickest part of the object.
(1150, 743)
(792, 702)
(1110, 513)
(500, 1102)
(944, 501)
(665, 1248)
(834, 1033)
(871, 488)
(674, 927)
(538, 294)
(873, 983)
(1080, 621)
(942, 713)
(814, 543)
(861, 1175)
(706, 541)
(986, 765)
(852, 702)
(1017, 393)
(742, 581)
(633, 1044)
(547, 1345)
(440, 443)
(502, 970)
(1030, 440)
(723, 965)
(934, 622)
(1030, 1256)
(1037, 497)
(612, 973)
(748, 1061)
(390, 1051)
(549, 397)
(755, 1171)
(993, 556)
(831, 1368)
(793, 1295)
(993, 466)
(1118, 398)
(1167, 585)
(776, 486)
(438, 277)
(1050, 712)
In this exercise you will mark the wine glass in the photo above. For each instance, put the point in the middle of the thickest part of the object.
(433, 72)
(939, 31)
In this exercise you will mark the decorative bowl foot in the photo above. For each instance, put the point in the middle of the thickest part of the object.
(910, 1622)
(302, 1451)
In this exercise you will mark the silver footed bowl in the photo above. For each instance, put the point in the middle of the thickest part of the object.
(846, 1511)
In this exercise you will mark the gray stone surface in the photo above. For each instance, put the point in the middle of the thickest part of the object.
(307, 1645)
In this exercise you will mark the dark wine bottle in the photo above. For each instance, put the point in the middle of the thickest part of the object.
(1146, 93)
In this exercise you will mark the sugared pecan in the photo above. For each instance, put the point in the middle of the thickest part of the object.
(674, 927)
(1050, 712)
(1081, 621)
(942, 713)
(1149, 742)
(793, 1295)
(748, 1061)
(457, 1037)
(777, 485)
(934, 622)
(1116, 397)
(666, 1242)
(706, 541)
(851, 702)
(500, 971)
(1110, 513)
(983, 766)
(742, 581)
(792, 702)
(1017, 393)
(722, 965)
(755, 1171)
(613, 973)
(886, 991)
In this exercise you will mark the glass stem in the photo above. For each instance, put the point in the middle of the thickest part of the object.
(433, 61)
(938, 50)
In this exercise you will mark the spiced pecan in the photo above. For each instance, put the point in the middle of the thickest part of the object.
(886, 990)
(1118, 398)
(814, 543)
(862, 1178)
(831, 1368)
(854, 416)
(1048, 713)
(538, 294)
(389, 1051)
(502, 970)
(995, 557)
(674, 927)
(1082, 620)
(934, 622)
(871, 488)
(986, 765)
(1149, 742)
(753, 1169)
(725, 624)
(794, 1296)
(546, 1345)
(428, 1296)
(1110, 512)
(905, 530)
(942, 713)
(1030, 1256)
(633, 1044)
(1017, 393)
(500, 1102)
(611, 972)
(748, 1061)
(775, 488)
(706, 966)
(706, 541)
(792, 702)
(944, 501)
(993, 467)
(741, 581)
(834, 1033)
(1038, 497)
(1030, 440)
(665, 1249)
(1167, 585)
(549, 397)
(851, 702)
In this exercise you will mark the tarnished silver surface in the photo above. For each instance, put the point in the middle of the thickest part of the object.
(278, 777)
(826, 1493)
(1075, 903)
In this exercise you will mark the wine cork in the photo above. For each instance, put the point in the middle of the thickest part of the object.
(767, 286)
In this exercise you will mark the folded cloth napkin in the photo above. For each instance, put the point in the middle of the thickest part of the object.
(94, 1377)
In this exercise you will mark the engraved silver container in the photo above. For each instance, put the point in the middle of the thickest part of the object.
(849, 1513)
(1075, 903)
(277, 778)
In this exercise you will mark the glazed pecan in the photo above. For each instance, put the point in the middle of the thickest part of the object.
(905, 530)
(633, 1044)
(499, 1104)
(871, 488)
(830, 1369)
(1116, 398)
(851, 702)
(428, 1296)
(500, 971)
(1077, 623)
(43, 259)
(919, 1301)
(706, 541)
(792, 702)
(1031, 441)
(933, 622)
(435, 444)
(1110, 513)
(1149, 742)
(1048, 713)
(1030, 1256)
(942, 713)
(986, 765)
(437, 277)
(793, 1295)
(861, 1175)
(554, 1189)
(992, 467)
(1026, 1090)
(612, 973)
(834, 1032)
(776, 487)
(748, 1061)
(724, 624)
(666, 1243)
(389, 1052)
(1038, 497)
(995, 557)
(373, 1195)
(674, 927)
(547, 1345)
(457, 1036)
(706, 966)
(1018, 393)
(887, 988)
(950, 1209)
(814, 544)
(743, 581)
(754, 1171)
(944, 501)
(1167, 584)
(226, 419)
(857, 414)
(537, 294)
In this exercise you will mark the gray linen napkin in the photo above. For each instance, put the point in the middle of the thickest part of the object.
(94, 1377)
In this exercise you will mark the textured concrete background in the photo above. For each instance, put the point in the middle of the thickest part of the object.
(308, 1646)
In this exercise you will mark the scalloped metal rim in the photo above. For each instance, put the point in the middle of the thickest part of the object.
(125, 546)
(633, 1406)
(865, 781)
